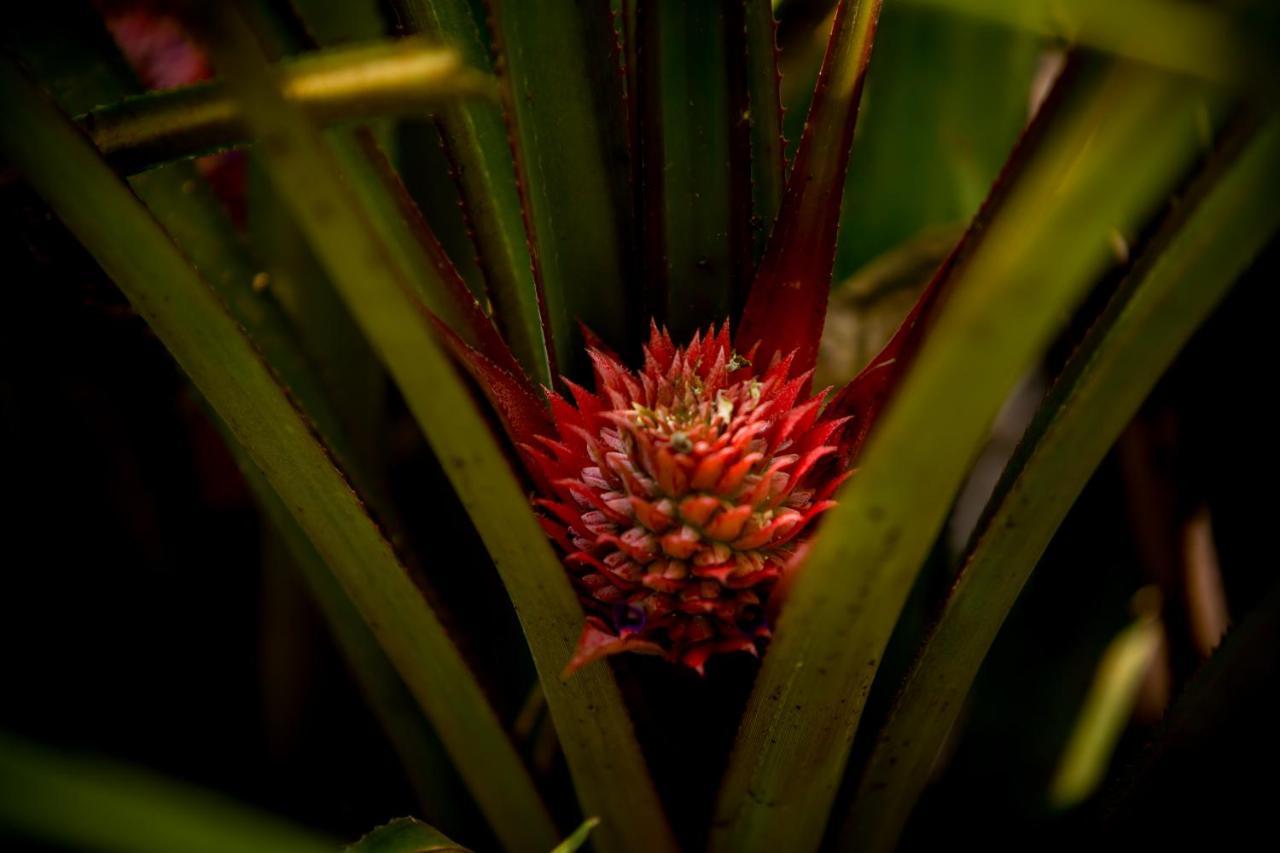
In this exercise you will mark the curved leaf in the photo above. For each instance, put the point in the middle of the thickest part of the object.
(421, 754)
(475, 138)
(946, 98)
(553, 87)
(1107, 709)
(578, 837)
(1213, 41)
(788, 299)
(212, 349)
(609, 771)
(1204, 39)
(998, 312)
(92, 804)
(686, 171)
(1189, 267)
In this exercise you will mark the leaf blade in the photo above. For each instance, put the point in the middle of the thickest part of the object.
(551, 87)
(806, 703)
(97, 805)
(1109, 376)
(686, 171)
(609, 771)
(222, 363)
(406, 835)
(335, 86)
(475, 136)
(788, 298)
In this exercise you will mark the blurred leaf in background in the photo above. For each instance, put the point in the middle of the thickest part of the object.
(945, 100)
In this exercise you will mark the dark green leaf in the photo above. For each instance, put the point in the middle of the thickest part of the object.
(475, 137)
(788, 298)
(91, 804)
(1189, 266)
(946, 99)
(405, 835)
(578, 837)
(1203, 39)
(555, 83)
(350, 240)
(341, 85)
(1090, 171)
(210, 346)
(686, 122)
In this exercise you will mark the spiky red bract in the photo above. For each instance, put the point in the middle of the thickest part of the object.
(680, 492)
(787, 303)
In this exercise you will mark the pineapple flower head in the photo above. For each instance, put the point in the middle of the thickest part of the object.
(680, 493)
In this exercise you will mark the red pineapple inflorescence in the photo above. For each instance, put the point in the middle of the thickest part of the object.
(680, 493)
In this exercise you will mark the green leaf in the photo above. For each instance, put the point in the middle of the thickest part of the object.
(475, 137)
(578, 837)
(187, 207)
(1220, 724)
(209, 345)
(1207, 40)
(62, 51)
(946, 99)
(608, 769)
(405, 835)
(1207, 242)
(184, 203)
(92, 804)
(336, 86)
(685, 123)
(420, 752)
(1107, 709)
(554, 82)
(788, 298)
(432, 276)
(1091, 169)
(345, 366)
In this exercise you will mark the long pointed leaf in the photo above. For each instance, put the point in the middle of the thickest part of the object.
(560, 135)
(1209, 40)
(788, 299)
(420, 751)
(435, 279)
(475, 137)
(1203, 39)
(686, 172)
(1219, 725)
(185, 204)
(594, 728)
(946, 98)
(1108, 707)
(1188, 269)
(222, 363)
(1026, 271)
(346, 84)
(764, 99)
(96, 805)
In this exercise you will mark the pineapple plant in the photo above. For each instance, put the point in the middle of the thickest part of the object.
(594, 258)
